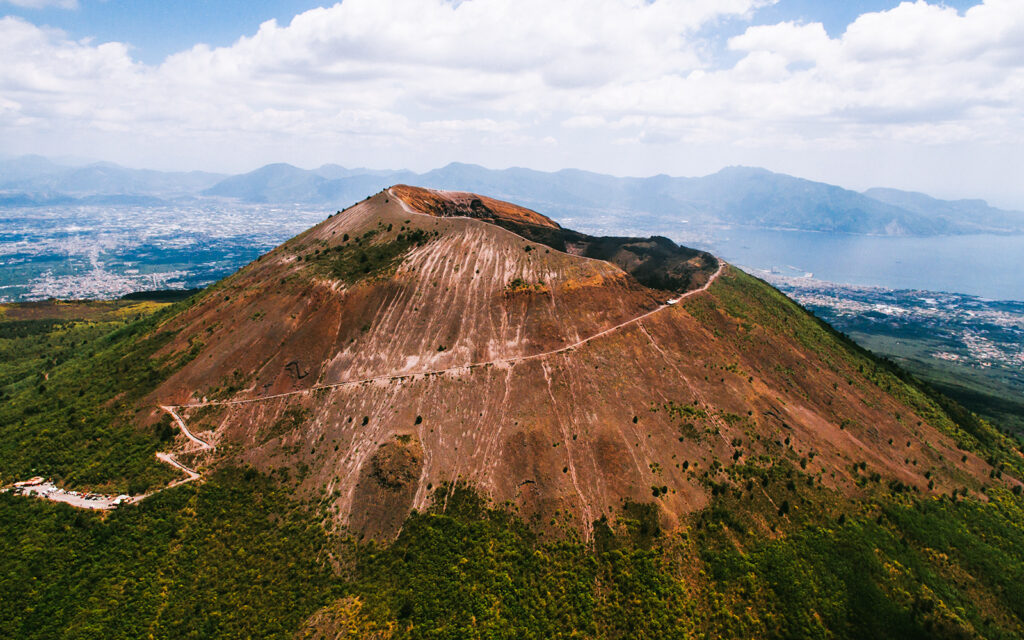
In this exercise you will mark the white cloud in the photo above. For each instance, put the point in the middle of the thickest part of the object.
(393, 61)
(794, 42)
(915, 68)
(918, 72)
(437, 79)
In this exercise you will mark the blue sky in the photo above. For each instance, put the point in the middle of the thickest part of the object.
(158, 28)
(835, 15)
(917, 95)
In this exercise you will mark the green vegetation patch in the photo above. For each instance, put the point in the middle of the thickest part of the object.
(234, 557)
(519, 285)
(476, 572)
(917, 569)
(14, 329)
(372, 254)
(689, 419)
(238, 556)
(900, 569)
(69, 401)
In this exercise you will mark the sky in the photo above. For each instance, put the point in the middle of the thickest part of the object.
(916, 95)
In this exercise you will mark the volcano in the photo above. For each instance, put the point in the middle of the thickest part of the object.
(421, 340)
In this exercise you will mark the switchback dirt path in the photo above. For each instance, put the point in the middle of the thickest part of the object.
(168, 457)
(203, 445)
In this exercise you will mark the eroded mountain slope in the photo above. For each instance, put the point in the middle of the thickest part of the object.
(378, 290)
(386, 353)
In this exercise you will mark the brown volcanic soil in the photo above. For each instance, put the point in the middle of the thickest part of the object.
(730, 376)
(655, 262)
(460, 203)
(475, 293)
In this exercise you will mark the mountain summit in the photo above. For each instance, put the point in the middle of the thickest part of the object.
(424, 339)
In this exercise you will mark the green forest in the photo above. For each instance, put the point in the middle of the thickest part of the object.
(237, 557)
(69, 391)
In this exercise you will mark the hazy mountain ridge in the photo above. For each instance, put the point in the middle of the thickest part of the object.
(36, 176)
(971, 212)
(283, 182)
(744, 196)
(735, 195)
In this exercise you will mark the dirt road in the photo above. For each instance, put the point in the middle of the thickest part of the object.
(500, 361)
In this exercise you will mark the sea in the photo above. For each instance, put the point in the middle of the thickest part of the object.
(983, 265)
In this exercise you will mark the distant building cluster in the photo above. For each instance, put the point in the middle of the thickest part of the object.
(976, 332)
(103, 252)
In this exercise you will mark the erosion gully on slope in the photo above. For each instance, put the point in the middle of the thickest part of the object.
(505, 362)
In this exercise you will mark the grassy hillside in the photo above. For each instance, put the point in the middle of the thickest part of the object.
(750, 301)
(995, 393)
(70, 378)
(966, 347)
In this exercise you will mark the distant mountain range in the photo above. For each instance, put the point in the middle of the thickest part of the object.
(37, 179)
(733, 196)
(330, 184)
